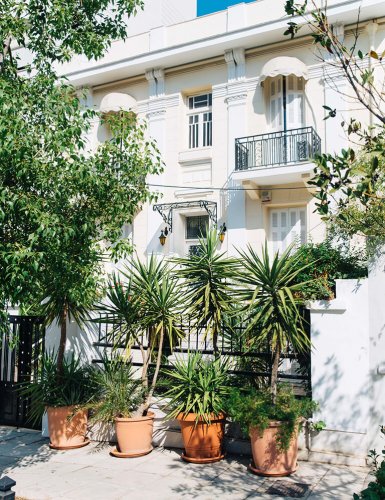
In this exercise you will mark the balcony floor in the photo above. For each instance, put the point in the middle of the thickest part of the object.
(277, 174)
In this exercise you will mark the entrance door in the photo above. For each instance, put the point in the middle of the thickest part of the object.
(21, 350)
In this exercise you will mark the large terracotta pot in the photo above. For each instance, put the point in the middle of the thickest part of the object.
(267, 459)
(66, 432)
(203, 443)
(134, 436)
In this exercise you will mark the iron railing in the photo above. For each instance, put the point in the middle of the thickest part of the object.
(276, 148)
(246, 362)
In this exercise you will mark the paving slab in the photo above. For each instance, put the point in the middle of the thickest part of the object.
(92, 473)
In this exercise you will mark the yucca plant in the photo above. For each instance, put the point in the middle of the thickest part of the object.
(197, 385)
(208, 282)
(118, 392)
(145, 311)
(272, 305)
(76, 387)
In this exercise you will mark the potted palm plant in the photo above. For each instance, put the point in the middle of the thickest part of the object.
(64, 399)
(273, 306)
(143, 305)
(208, 280)
(197, 392)
(119, 397)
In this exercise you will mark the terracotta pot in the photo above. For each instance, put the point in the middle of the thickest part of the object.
(64, 433)
(203, 443)
(268, 460)
(134, 435)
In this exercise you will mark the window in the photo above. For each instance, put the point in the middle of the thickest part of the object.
(196, 227)
(287, 226)
(200, 121)
(286, 106)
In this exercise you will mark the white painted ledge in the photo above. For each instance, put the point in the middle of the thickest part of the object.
(335, 306)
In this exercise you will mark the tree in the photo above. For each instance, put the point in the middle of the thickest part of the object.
(271, 291)
(208, 281)
(351, 185)
(62, 205)
(145, 311)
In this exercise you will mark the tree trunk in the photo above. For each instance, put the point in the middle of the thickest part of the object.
(63, 339)
(157, 369)
(274, 373)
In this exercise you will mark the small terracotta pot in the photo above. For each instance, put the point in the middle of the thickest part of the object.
(268, 460)
(203, 443)
(134, 435)
(67, 433)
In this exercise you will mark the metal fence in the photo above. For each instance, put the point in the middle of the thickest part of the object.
(21, 350)
(246, 362)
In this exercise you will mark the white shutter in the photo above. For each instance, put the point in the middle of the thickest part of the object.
(295, 109)
(287, 226)
(276, 105)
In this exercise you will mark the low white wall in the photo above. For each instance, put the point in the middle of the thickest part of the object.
(344, 372)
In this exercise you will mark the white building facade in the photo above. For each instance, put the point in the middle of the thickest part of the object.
(236, 110)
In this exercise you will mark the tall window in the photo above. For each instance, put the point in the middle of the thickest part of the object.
(287, 108)
(200, 118)
(287, 226)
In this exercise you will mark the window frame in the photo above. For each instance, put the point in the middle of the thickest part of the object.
(204, 134)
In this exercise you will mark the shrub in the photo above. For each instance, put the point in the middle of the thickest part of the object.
(197, 385)
(253, 408)
(330, 263)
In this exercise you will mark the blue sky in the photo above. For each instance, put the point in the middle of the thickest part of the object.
(208, 6)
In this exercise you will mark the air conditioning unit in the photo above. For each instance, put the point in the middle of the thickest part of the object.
(266, 196)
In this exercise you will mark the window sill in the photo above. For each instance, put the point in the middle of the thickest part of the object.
(196, 155)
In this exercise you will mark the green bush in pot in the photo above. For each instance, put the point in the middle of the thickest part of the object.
(271, 293)
(253, 408)
(62, 397)
(198, 388)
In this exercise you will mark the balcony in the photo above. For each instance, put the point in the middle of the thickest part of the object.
(276, 158)
(276, 149)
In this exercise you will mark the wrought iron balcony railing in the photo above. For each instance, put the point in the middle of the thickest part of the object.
(276, 148)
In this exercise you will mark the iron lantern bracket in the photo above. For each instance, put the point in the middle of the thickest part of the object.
(166, 210)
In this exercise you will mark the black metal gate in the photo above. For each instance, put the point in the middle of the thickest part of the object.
(21, 350)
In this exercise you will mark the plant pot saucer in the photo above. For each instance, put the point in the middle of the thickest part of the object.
(74, 447)
(259, 472)
(118, 454)
(202, 460)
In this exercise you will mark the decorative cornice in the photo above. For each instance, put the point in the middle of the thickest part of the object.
(236, 98)
(155, 114)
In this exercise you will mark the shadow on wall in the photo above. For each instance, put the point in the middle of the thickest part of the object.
(345, 413)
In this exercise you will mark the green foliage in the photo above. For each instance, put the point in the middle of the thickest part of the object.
(350, 186)
(376, 488)
(255, 409)
(75, 387)
(63, 203)
(197, 385)
(208, 278)
(271, 292)
(328, 262)
(355, 183)
(144, 305)
(55, 31)
(119, 393)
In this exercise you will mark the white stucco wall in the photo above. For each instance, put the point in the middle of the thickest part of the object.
(340, 371)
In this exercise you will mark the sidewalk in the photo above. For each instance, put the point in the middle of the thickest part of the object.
(91, 473)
